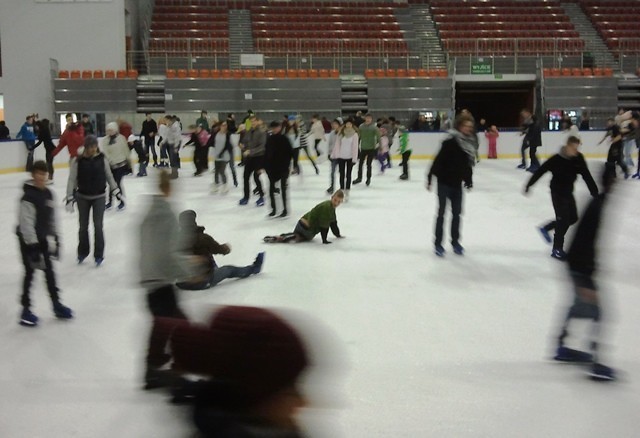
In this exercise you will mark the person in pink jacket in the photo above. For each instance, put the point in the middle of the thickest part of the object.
(345, 152)
(72, 138)
(492, 136)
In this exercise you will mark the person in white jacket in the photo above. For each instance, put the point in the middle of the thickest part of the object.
(345, 152)
(317, 130)
(174, 141)
(116, 149)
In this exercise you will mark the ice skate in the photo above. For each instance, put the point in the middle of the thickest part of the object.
(601, 373)
(559, 254)
(243, 201)
(569, 355)
(458, 249)
(224, 189)
(522, 166)
(439, 251)
(260, 201)
(28, 319)
(257, 264)
(62, 312)
(215, 188)
(545, 234)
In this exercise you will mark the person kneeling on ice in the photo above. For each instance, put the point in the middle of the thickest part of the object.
(318, 220)
(196, 242)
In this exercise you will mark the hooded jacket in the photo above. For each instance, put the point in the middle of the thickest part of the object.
(36, 218)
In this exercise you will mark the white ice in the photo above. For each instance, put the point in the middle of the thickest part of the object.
(453, 347)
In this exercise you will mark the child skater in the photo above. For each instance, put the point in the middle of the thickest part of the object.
(383, 149)
(586, 303)
(194, 241)
(492, 137)
(39, 242)
(318, 220)
(405, 150)
(345, 152)
(565, 167)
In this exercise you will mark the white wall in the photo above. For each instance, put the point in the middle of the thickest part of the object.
(424, 146)
(85, 35)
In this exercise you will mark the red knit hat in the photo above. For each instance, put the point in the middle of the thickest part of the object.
(251, 347)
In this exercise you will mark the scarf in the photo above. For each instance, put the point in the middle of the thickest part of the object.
(112, 139)
(469, 144)
(348, 132)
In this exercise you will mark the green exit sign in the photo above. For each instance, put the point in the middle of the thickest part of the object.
(481, 68)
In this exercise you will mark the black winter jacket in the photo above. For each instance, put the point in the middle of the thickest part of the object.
(451, 166)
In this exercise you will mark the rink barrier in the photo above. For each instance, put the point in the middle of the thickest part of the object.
(424, 146)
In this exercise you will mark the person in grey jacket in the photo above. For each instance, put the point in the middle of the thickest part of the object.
(88, 177)
(254, 142)
(116, 150)
(161, 265)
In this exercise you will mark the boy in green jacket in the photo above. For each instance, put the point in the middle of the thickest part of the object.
(369, 138)
(318, 220)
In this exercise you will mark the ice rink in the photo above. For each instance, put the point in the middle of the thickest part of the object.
(425, 347)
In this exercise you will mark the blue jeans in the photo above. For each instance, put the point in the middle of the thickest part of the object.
(629, 144)
(219, 274)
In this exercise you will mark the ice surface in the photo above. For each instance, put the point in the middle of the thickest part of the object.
(453, 347)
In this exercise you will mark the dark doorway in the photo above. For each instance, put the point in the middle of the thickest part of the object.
(497, 101)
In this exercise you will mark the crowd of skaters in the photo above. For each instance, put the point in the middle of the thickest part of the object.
(96, 164)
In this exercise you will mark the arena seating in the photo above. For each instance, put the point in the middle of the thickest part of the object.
(617, 23)
(333, 28)
(98, 74)
(251, 74)
(192, 27)
(503, 27)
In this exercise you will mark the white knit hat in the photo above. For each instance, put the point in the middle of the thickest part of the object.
(113, 127)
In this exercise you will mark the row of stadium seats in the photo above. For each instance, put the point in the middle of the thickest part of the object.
(526, 18)
(329, 47)
(312, 26)
(613, 18)
(162, 9)
(210, 20)
(502, 25)
(405, 73)
(507, 47)
(616, 22)
(496, 3)
(186, 25)
(452, 34)
(329, 33)
(193, 33)
(324, 18)
(524, 10)
(556, 72)
(292, 9)
(251, 74)
(185, 46)
(98, 74)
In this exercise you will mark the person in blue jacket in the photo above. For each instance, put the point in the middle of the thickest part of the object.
(27, 134)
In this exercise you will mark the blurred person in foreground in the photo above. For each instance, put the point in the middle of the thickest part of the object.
(581, 259)
(252, 360)
(161, 265)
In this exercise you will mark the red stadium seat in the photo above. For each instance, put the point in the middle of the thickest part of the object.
(226, 73)
(313, 73)
(324, 73)
(270, 73)
(369, 73)
(109, 74)
(259, 74)
(390, 73)
(302, 73)
(87, 74)
(75, 74)
(182, 73)
(171, 74)
(334, 73)
(292, 74)
(412, 73)
(63, 74)
(121, 74)
(215, 73)
(98, 74)
(132, 73)
(205, 73)
(193, 73)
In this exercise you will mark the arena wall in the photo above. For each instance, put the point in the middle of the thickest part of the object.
(424, 146)
(78, 35)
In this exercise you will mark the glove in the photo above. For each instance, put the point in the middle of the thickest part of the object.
(69, 204)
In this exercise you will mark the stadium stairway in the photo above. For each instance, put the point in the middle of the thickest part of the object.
(629, 92)
(593, 42)
(240, 36)
(150, 94)
(354, 94)
(425, 30)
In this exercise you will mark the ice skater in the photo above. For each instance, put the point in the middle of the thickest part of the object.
(565, 167)
(532, 140)
(220, 141)
(116, 150)
(453, 166)
(383, 150)
(345, 152)
(193, 240)
(319, 220)
(279, 154)
(492, 135)
(39, 242)
(331, 142)
(369, 139)
(614, 156)
(581, 260)
(405, 150)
